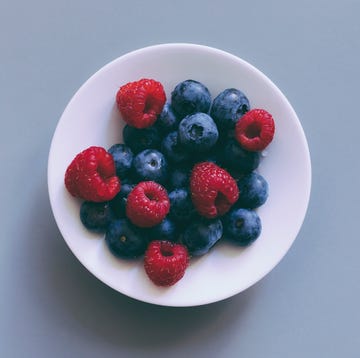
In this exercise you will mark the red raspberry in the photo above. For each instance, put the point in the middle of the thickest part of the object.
(140, 102)
(213, 189)
(165, 262)
(147, 204)
(255, 130)
(91, 175)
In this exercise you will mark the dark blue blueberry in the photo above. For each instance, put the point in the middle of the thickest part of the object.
(96, 216)
(167, 121)
(189, 97)
(166, 230)
(179, 177)
(242, 226)
(150, 164)
(173, 150)
(125, 240)
(200, 236)
(181, 206)
(239, 160)
(140, 139)
(228, 107)
(123, 157)
(118, 204)
(198, 132)
(254, 191)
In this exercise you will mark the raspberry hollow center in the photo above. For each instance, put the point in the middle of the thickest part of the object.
(166, 249)
(253, 130)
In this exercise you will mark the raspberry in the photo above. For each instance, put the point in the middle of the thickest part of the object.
(147, 204)
(213, 189)
(165, 262)
(255, 130)
(140, 102)
(91, 175)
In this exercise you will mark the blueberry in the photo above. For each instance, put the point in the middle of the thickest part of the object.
(198, 132)
(166, 230)
(125, 240)
(118, 204)
(239, 160)
(167, 121)
(179, 177)
(123, 157)
(254, 191)
(140, 139)
(96, 216)
(228, 107)
(189, 97)
(181, 206)
(242, 226)
(150, 164)
(202, 235)
(173, 150)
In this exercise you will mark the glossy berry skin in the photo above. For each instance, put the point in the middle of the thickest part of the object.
(238, 159)
(255, 130)
(140, 102)
(213, 190)
(200, 236)
(254, 191)
(165, 262)
(123, 157)
(189, 97)
(96, 216)
(168, 120)
(173, 149)
(242, 226)
(125, 240)
(91, 175)
(181, 206)
(147, 204)
(198, 132)
(150, 164)
(228, 107)
(118, 204)
(166, 230)
(140, 139)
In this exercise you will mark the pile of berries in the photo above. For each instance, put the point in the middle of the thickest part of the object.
(183, 178)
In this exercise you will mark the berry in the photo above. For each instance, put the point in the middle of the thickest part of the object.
(202, 235)
(213, 190)
(237, 159)
(173, 149)
(242, 226)
(179, 177)
(165, 262)
(255, 130)
(125, 240)
(228, 107)
(181, 206)
(254, 191)
(140, 102)
(151, 165)
(118, 204)
(198, 132)
(91, 175)
(123, 157)
(189, 97)
(166, 230)
(167, 121)
(141, 139)
(96, 216)
(147, 204)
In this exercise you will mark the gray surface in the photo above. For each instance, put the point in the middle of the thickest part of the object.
(308, 306)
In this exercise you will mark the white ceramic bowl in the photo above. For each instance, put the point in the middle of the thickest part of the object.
(91, 118)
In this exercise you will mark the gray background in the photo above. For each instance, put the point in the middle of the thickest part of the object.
(308, 306)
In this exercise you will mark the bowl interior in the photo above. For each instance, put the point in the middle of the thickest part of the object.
(91, 118)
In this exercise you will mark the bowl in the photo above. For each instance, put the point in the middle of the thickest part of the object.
(91, 118)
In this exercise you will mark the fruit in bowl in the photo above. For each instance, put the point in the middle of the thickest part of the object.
(92, 119)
